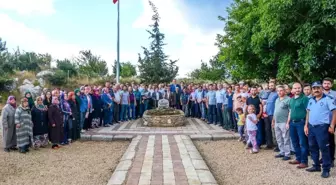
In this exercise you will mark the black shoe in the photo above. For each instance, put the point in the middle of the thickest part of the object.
(6, 150)
(286, 158)
(325, 174)
(27, 150)
(13, 148)
(276, 149)
(292, 153)
(279, 156)
(313, 169)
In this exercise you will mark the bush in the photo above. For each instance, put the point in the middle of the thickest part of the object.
(36, 83)
(129, 80)
(58, 79)
(5, 81)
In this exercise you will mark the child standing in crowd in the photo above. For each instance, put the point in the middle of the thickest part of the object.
(240, 123)
(251, 128)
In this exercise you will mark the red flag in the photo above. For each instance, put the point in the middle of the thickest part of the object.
(115, 1)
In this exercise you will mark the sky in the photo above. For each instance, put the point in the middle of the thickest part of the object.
(64, 27)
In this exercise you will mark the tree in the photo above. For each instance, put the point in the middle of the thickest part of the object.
(59, 78)
(68, 67)
(91, 65)
(127, 69)
(153, 66)
(213, 71)
(6, 67)
(293, 40)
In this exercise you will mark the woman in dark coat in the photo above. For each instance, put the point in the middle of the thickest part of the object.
(67, 120)
(55, 123)
(40, 124)
(97, 108)
(74, 117)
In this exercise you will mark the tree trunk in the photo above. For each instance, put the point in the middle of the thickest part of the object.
(297, 76)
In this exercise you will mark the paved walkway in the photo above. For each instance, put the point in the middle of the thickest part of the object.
(195, 128)
(162, 160)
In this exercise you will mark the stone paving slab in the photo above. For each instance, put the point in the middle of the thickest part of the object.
(164, 160)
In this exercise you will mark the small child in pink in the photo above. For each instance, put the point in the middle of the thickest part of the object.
(251, 128)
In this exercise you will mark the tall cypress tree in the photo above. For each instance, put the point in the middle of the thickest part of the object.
(154, 65)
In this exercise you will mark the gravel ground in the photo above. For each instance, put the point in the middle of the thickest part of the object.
(79, 163)
(230, 163)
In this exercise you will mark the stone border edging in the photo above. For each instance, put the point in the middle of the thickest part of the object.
(120, 173)
(196, 137)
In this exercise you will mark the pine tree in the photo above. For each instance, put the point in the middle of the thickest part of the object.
(154, 66)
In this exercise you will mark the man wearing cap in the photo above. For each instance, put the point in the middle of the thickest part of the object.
(318, 125)
(295, 123)
(327, 85)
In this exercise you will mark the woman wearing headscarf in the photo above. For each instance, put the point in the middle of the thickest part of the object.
(67, 120)
(29, 97)
(97, 108)
(8, 124)
(55, 117)
(107, 107)
(78, 99)
(47, 99)
(74, 118)
(40, 121)
(24, 126)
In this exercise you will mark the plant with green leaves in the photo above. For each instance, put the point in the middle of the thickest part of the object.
(91, 65)
(292, 40)
(127, 69)
(154, 65)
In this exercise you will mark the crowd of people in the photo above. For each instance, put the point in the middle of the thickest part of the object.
(292, 119)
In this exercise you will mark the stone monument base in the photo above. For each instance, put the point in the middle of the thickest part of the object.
(164, 118)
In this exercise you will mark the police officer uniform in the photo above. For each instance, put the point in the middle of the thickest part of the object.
(332, 94)
(318, 135)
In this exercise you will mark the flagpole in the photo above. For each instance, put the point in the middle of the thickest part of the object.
(118, 43)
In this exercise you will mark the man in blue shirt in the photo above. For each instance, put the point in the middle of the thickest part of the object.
(199, 102)
(220, 96)
(318, 125)
(270, 106)
(174, 85)
(327, 85)
(211, 104)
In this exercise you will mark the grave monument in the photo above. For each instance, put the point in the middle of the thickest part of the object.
(164, 116)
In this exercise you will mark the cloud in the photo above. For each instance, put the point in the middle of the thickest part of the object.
(197, 43)
(29, 39)
(28, 7)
